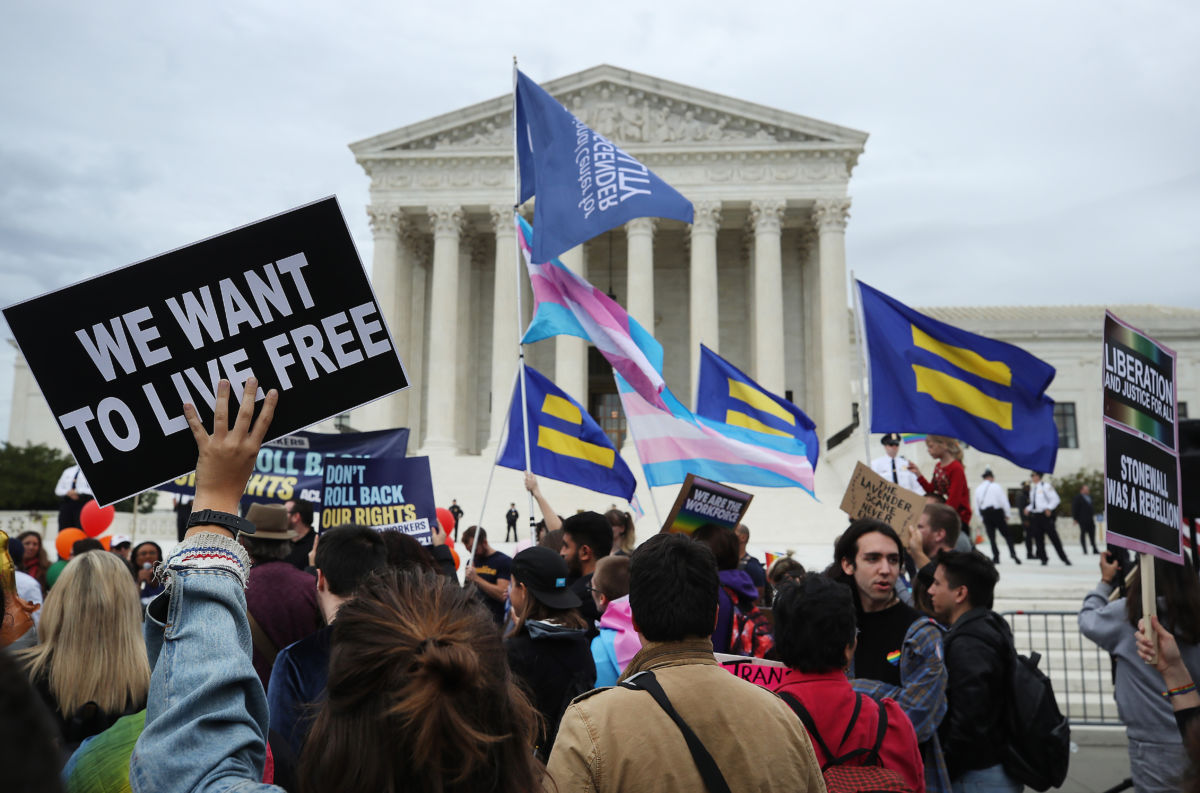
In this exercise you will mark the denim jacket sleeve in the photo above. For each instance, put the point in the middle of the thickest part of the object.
(206, 715)
(922, 692)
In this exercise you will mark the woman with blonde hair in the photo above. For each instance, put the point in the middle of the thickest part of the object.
(624, 538)
(90, 664)
(949, 480)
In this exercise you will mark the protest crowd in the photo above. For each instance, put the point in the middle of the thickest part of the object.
(378, 645)
(356, 660)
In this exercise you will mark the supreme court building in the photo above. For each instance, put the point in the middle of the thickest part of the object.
(759, 277)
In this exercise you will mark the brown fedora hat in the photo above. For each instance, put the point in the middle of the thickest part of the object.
(270, 522)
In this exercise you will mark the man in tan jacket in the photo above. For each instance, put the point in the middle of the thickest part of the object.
(619, 739)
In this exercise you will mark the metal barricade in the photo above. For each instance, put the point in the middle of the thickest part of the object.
(1080, 671)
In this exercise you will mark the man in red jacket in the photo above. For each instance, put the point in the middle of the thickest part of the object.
(815, 635)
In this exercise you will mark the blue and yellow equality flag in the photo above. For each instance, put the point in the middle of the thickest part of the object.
(728, 395)
(565, 443)
(930, 377)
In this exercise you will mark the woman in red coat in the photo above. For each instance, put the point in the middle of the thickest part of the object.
(949, 480)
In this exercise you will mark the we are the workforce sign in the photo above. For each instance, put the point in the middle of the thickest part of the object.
(284, 299)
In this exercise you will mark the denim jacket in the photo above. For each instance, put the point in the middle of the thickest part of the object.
(206, 716)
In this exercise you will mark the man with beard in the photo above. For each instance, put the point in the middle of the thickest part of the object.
(587, 538)
(899, 653)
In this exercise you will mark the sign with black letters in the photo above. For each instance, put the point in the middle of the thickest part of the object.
(285, 299)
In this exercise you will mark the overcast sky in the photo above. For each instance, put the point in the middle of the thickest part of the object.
(1020, 152)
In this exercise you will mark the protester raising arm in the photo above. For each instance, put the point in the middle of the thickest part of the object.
(553, 522)
(206, 717)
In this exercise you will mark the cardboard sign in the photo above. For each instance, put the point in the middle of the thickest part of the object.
(703, 501)
(869, 495)
(1141, 443)
(759, 671)
(294, 466)
(285, 299)
(381, 492)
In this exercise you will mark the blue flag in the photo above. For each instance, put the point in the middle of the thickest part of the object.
(934, 378)
(565, 442)
(727, 395)
(585, 185)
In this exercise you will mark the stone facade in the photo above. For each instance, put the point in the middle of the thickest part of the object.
(770, 190)
(760, 276)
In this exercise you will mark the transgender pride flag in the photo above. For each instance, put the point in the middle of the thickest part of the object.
(567, 304)
(672, 443)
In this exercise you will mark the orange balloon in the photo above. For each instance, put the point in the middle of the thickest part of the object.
(106, 541)
(67, 538)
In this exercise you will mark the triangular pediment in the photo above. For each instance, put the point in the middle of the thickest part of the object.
(634, 110)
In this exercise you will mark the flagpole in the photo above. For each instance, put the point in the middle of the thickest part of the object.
(499, 450)
(860, 331)
(520, 310)
(629, 429)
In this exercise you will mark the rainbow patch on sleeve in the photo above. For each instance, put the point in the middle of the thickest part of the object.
(893, 658)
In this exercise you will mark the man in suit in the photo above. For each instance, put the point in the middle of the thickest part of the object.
(1084, 515)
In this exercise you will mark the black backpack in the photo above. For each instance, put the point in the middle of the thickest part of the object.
(1038, 750)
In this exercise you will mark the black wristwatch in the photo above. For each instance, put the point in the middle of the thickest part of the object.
(226, 520)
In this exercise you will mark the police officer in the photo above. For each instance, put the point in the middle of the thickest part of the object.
(894, 467)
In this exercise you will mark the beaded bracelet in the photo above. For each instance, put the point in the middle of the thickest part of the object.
(1181, 690)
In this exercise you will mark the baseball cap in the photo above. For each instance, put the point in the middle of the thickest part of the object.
(544, 574)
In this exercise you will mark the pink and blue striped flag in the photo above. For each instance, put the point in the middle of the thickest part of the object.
(566, 304)
(673, 443)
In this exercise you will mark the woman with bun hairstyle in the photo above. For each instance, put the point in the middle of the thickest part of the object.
(949, 480)
(420, 697)
(548, 647)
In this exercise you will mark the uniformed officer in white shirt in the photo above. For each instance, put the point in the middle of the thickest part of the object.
(1043, 501)
(73, 492)
(991, 502)
(893, 467)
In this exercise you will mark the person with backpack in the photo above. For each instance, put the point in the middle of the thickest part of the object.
(736, 597)
(1144, 701)
(979, 657)
(861, 744)
(548, 647)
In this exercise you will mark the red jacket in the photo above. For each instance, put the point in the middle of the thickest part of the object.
(829, 699)
(950, 482)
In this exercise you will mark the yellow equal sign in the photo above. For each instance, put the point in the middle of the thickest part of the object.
(949, 390)
(756, 399)
(562, 443)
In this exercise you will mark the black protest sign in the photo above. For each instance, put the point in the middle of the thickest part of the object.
(285, 299)
(1141, 495)
(1139, 382)
(1141, 443)
(702, 501)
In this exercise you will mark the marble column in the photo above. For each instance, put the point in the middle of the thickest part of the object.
(570, 353)
(767, 319)
(639, 234)
(421, 247)
(704, 302)
(440, 410)
(829, 216)
(505, 334)
(391, 272)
